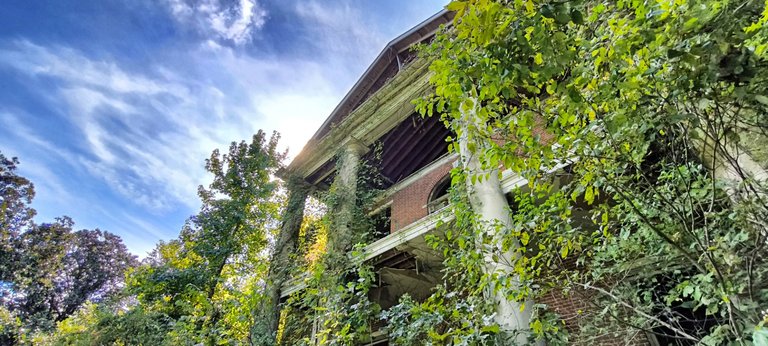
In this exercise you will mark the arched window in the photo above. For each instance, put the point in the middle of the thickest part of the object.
(438, 199)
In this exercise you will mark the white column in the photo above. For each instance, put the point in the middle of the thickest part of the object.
(490, 205)
(346, 193)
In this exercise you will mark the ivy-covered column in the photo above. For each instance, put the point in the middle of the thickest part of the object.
(341, 201)
(492, 210)
(345, 191)
(267, 314)
(728, 161)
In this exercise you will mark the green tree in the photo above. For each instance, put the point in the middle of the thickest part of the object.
(48, 271)
(16, 193)
(35, 290)
(59, 270)
(94, 270)
(206, 279)
(657, 109)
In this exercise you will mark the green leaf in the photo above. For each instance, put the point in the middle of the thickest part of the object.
(760, 336)
(762, 99)
(576, 17)
(456, 6)
(589, 195)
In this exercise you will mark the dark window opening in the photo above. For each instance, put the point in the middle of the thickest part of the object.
(381, 224)
(681, 315)
(440, 198)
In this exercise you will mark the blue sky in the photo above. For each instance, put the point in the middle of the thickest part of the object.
(112, 106)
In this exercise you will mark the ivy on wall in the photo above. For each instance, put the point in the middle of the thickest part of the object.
(658, 221)
(335, 308)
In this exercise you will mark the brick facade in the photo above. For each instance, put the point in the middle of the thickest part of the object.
(572, 308)
(409, 204)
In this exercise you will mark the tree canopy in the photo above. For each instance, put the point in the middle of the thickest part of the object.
(657, 111)
(16, 193)
(49, 270)
(202, 287)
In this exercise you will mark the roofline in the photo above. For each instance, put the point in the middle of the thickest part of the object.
(364, 77)
(372, 119)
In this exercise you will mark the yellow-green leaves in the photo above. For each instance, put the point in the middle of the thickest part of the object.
(524, 238)
(624, 89)
(589, 195)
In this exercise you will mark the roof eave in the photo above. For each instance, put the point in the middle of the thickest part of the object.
(398, 44)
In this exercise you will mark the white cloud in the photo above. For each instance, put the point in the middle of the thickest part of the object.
(34, 159)
(298, 114)
(341, 29)
(147, 135)
(69, 64)
(12, 121)
(223, 20)
(143, 131)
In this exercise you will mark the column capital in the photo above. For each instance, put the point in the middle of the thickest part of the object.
(296, 182)
(354, 145)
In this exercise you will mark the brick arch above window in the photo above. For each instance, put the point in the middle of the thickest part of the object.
(439, 197)
(409, 204)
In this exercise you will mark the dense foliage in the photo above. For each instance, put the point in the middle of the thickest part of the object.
(15, 213)
(62, 287)
(202, 287)
(639, 127)
(335, 308)
(49, 271)
(658, 221)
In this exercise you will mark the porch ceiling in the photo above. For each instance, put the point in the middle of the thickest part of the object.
(372, 120)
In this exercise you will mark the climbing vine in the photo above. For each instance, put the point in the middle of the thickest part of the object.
(639, 128)
(336, 308)
(458, 312)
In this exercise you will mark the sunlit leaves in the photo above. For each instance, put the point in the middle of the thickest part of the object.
(636, 94)
(207, 278)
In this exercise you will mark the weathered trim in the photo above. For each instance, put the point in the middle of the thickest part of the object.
(408, 233)
(415, 35)
(380, 113)
(509, 182)
(379, 207)
(385, 198)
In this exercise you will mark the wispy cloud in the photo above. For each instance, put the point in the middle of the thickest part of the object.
(146, 134)
(36, 155)
(46, 182)
(341, 29)
(115, 135)
(113, 109)
(234, 21)
(11, 120)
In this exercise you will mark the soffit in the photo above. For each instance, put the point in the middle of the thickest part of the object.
(377, 73)
(374, 118)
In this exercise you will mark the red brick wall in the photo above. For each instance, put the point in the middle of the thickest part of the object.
(573, 308)
(538, 130)
(410, 203)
